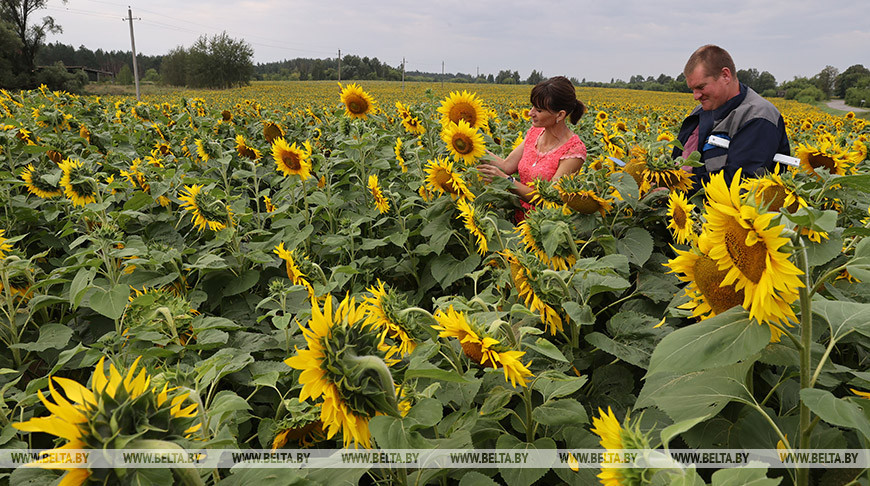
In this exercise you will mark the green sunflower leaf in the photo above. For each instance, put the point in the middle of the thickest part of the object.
(718, 341)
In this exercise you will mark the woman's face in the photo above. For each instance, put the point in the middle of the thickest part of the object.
(541, 117)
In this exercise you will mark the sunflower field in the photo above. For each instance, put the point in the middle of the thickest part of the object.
(312, 266)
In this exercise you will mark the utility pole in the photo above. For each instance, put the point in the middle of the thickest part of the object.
(403, 74)
(339, 65)
(133, 45)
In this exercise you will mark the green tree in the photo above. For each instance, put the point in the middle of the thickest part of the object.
(19, 14)
(852, 76)
(173, 69)
(825, 80)
(125, 75)
(219, 62)
(12, 74)
(535, 77)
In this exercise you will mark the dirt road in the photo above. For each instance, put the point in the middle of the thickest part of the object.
(840, 105)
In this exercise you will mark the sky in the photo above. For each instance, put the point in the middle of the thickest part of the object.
(584, 39)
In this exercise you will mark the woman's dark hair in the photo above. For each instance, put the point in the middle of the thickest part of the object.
(555, 94)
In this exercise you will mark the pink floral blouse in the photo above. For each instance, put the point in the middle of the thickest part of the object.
(536, 165)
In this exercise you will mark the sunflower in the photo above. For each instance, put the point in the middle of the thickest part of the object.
(398, 149)
(616, 437)
(709, 295)
(773, 192)
(267, 202)
(78, 182)
(114, 413)
(4, 247)
(383, 309)
(748, 246)
(527, 275)
(201, 150)
(441, 179)
(244, 150)
(302, 427)
(462, 106)
(337, 366)
(36, 182)
(357, 103)
(272, 131)
(480, 347)
(826, 154)
(292, 160)
(413, 125)
(207, 211)
(581, 196)
(381, 202)
(680, 212)
(545, 194)
(463, 142)
(472, 223)
(294, 273)
(673, 178)
(540, 225)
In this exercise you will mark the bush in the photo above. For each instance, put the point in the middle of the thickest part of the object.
(57, 78)
(858, 97)
(810, 95)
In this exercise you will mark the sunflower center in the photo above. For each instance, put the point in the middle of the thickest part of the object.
(750, 260)
(445, 182)
(582, 203)
(462, 144)
(463, 111)
(680, 217)
(357, 105)
(708, 278)
(774, 196)
(819, 160)
(291, 161)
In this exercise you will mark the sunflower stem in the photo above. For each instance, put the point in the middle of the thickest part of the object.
(377, 365)
(803, 474)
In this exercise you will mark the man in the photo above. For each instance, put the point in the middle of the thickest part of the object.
(730, 110)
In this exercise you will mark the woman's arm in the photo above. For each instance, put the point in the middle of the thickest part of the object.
(567, 166)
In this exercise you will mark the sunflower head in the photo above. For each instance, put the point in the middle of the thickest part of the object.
(357, 103)
(344, 366)
(581, 196)
(115, 412)
(548, 233)
(380, 201)
(441, 179)
(385, 316)
(245, 150)
(615, 437)
(272, 131)
(527, 274)
(681, 223)
(473, 223)
(78, 181)
(162, 311)
(301, 428)
(38, 181)
(481, 347)
(463, 142)
(296, 267)
(207, 210)
(545, 193)
(292, 160)
(463, 107)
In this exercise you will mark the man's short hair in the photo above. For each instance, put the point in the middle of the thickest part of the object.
(713, 58)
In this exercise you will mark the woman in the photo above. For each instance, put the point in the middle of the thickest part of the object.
(550, 149)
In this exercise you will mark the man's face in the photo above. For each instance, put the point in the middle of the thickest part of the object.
(712, 92)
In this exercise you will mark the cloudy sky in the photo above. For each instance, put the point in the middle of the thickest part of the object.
(580, 38)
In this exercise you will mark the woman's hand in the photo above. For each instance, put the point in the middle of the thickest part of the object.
(488, 172)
